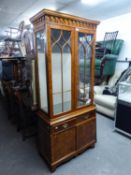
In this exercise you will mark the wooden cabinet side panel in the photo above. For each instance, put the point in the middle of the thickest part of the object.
(44, 143)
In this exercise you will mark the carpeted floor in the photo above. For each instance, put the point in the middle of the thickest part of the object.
(111, 155)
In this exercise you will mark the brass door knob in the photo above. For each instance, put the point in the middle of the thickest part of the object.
(65, 125)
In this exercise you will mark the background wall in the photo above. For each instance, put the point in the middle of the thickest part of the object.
(123, 25)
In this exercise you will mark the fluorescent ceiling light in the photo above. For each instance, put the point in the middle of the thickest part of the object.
(92, 2)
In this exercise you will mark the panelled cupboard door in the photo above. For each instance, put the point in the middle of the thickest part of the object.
(63, 144)
(86, 133)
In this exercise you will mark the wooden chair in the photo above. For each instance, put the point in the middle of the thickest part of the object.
(27, 121)
(13, 39)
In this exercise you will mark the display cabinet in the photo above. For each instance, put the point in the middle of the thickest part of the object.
(65, 47)
(123, 112)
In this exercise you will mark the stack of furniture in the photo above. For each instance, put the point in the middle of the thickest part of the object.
(105, 65)
(18, 76)
(105, 47)
(66, 115)
(17, 94)
(13, 41)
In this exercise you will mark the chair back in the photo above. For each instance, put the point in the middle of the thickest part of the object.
(106, 46)
(109, 41)
(110, 37)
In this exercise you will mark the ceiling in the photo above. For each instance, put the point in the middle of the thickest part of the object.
(12, 12)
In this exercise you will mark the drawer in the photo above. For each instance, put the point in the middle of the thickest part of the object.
(85, 116)
(64, 126)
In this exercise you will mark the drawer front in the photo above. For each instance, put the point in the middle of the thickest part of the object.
(85, 116)
(64, 126)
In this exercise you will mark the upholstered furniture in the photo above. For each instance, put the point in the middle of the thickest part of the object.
(106, 104)
(105, 66)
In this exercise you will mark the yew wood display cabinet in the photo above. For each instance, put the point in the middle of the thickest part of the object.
(65, 47)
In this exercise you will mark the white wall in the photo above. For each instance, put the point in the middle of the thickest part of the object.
(123, 25)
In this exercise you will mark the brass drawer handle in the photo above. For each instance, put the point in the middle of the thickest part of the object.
(56, 127)
(65, 125)
(86, 117)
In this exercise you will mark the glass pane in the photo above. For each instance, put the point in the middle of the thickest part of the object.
(57, 107)
(61, 70)
(40, 42)
(67, 101)
(56, 77)
(67, 78)
(84, 61)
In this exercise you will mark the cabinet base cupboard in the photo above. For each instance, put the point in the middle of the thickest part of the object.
(65, 48)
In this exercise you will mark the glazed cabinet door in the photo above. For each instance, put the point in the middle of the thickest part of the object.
(84, 55)
(61, 56)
